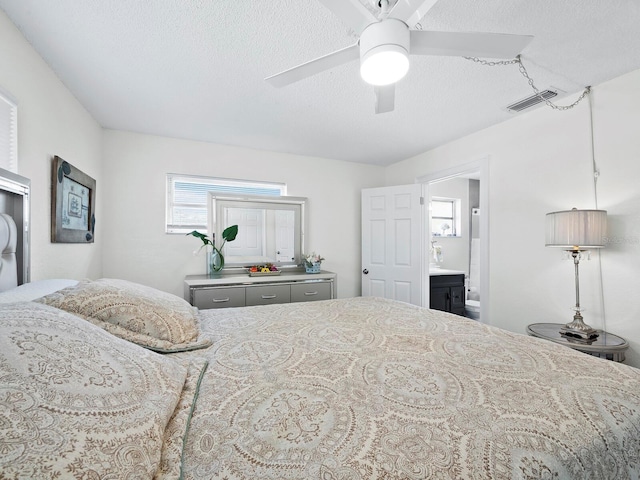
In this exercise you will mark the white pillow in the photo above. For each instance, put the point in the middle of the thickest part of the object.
(30, 291)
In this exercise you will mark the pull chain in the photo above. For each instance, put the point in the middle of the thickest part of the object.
(526, 75)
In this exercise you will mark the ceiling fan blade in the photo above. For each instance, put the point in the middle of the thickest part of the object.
(385, 98)
(313, 67)
(411, 11)
(351, 12)
(460, 44)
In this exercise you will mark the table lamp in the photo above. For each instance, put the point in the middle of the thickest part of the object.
(577, 231)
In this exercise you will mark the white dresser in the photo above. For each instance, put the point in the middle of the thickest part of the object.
(240, 290)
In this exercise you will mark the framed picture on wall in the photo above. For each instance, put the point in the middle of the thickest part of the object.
(73, 201)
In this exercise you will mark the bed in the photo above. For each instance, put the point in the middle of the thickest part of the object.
(358, 388)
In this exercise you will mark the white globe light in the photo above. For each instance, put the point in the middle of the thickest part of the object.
(384, 65)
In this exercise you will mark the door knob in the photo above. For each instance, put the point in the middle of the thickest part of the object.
(365, 271)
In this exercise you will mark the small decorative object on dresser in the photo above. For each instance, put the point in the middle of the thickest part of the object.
(215, 259)
(312, 262)
(266, 269)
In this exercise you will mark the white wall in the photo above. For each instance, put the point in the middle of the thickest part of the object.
(541, 162)
(137, 248)
(50, 122)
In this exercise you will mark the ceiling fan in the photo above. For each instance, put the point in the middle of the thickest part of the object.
(385, 43)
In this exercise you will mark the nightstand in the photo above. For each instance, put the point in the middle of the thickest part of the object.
(606, 345)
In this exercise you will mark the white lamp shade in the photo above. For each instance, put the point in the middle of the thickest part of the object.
(576, 229)
(384, 65)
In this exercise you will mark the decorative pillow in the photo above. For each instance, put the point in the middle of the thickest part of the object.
(32, 290)
(78, 402)
(156, 320)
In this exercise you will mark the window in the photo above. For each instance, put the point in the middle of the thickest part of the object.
(8, 133)
(445, 217)
(187, 198)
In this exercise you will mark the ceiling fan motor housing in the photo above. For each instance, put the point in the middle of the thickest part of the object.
(389, 38)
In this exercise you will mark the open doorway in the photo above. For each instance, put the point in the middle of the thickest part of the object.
(457, 237)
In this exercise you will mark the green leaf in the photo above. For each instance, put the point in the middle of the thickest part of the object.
(229, 234)
(201, 236)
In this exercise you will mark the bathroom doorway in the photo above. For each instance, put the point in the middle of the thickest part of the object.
(457, 231)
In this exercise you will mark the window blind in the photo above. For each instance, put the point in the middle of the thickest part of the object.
(8, 133)
(187, 198)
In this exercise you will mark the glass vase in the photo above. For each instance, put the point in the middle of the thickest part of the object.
(215, 261)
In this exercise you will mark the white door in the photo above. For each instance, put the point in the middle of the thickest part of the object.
(392, 227)
(285, 235)
(250, 240)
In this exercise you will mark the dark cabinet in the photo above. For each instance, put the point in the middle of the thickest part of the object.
(447, 293)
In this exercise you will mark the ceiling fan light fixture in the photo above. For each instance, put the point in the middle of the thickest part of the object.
(384, 65)
(384, 52)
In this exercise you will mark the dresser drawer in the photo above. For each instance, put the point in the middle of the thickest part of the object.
(268, 294)
(239, 290)
(218, 297)
(311, 291)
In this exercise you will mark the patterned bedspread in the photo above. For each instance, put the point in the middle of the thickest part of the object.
(368, 388)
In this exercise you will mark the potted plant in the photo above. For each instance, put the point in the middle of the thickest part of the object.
(312, 262)
(215, 261)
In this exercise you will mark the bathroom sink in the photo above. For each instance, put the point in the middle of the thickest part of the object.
(444, 271)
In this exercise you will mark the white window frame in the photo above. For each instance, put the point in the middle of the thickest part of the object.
(456, 223)
(8, 132)
(211, 184)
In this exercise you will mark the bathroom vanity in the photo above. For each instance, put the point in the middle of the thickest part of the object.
(447, 291)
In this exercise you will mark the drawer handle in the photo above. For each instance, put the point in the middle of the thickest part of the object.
(267, 297)
(221, 300)
(310, 294)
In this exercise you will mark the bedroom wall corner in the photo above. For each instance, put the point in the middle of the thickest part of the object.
(51, 122)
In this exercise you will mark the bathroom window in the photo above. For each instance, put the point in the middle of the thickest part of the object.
(445, 217)
(187, 198)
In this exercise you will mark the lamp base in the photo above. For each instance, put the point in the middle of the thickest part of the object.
(579, 329)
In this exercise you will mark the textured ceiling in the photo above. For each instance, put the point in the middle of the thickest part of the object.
(195, 69)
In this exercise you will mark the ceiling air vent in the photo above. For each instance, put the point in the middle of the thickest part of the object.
(531, 101)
